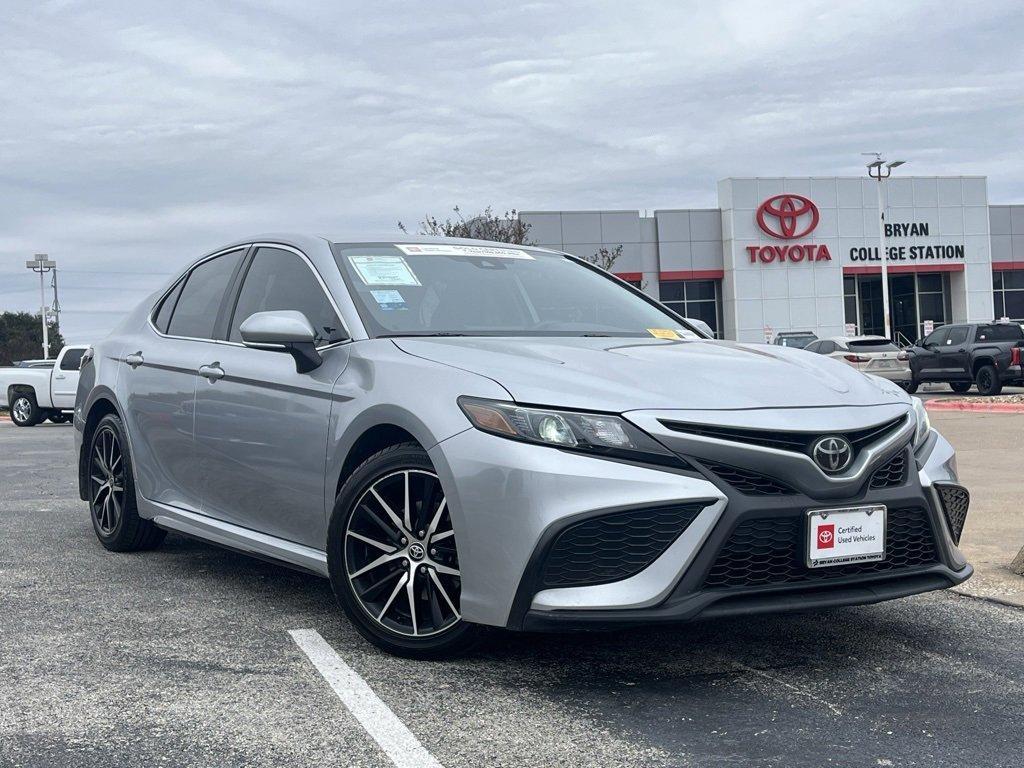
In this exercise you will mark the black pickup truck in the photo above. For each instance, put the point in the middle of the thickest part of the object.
(986, 354)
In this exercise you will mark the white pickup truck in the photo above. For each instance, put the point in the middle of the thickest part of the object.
(35, 394)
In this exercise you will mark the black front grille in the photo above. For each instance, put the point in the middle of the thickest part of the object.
(770, 551)
(891, 474)
(614, 546)
(748, 482)
(798, 442)
(955, 501)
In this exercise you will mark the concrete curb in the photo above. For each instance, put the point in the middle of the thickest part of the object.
(943, 405)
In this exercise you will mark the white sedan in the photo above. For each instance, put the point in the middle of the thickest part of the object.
(868, 354)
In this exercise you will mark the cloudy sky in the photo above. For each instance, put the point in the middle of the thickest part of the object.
(136, 135)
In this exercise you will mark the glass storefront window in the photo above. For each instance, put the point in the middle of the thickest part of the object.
(1008, 293)
(693, 298)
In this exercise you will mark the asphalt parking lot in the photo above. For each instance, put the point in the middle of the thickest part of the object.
(183, 657)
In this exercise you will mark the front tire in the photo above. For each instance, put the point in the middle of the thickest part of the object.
(115, 516)
(910, 387)
(988, 381)
(392, 557)
(25, 411)
(960, 386)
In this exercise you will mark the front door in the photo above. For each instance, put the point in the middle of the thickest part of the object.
(64, 387)
(927, 362)
(261, 427)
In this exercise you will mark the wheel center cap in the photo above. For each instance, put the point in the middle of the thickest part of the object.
(416, 551)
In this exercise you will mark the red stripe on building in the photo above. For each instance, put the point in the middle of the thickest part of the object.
(629, 277)
(694, 274)
(1005, 266)
(903, 268)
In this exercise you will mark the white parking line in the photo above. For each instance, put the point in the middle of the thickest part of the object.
(374, 715)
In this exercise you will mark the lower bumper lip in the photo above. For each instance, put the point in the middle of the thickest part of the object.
(707, 605)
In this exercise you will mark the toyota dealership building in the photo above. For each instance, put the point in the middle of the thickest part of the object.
(797, 254)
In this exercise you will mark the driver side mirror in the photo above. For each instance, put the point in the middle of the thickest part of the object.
(283, 330)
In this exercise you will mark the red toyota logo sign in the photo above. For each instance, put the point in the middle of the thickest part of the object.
(787, 217)
(827, 536)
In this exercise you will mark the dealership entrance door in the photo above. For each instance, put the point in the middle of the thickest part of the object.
(913, 299)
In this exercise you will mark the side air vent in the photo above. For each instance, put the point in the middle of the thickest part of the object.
(748, 482)
(955, 501)
(614, 546)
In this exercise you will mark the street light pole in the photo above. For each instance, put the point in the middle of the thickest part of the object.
(42, 264)
(880, 170)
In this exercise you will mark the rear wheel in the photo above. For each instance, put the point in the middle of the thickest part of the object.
(910, 387)
(24, 410)
(393, 560)
(988, 381)
(960, 386)
(115, 517)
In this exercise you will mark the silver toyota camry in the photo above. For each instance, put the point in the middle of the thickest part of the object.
(463, 435)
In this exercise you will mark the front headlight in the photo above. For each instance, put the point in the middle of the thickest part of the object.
(924, 425)
(595, 433)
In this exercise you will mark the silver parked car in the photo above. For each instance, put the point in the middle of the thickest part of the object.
(876, 355)
(460, 434)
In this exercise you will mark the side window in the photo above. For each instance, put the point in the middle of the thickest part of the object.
(195, 313)
(814, 346)
(72, 360)
(163, 314)
(938, 337)
(957, 335)
(279, 279)
(827, 347)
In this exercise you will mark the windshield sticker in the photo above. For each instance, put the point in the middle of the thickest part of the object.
(427, 249)
(383, 270)
(663, 333)
(389, 300)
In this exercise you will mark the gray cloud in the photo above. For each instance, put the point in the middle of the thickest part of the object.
(133, 136)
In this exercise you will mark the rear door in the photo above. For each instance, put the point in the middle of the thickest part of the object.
(64, 381)
(953, 354)
(261, 427)
(158, 381)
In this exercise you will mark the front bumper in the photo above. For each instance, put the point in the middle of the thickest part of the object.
(510, 501)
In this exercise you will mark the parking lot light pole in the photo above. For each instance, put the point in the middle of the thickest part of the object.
(42, 264)
(880, 170)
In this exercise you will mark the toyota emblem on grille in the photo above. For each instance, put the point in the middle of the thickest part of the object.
(831, 453)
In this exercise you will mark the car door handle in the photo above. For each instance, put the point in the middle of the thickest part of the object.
(135, 359)
(213, 371)
(60, 377)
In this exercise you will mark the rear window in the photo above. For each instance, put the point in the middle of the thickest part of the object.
(1000, 332)
(873, 345)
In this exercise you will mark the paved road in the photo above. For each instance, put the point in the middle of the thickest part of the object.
(182, 657)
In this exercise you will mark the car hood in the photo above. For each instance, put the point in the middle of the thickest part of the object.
(624, 374)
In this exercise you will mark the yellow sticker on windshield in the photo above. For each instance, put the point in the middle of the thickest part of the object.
(663, 333)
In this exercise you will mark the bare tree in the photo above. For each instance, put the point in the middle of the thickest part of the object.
(484, 226)
(604, 258)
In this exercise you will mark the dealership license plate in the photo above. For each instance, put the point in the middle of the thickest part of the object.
(845, 535)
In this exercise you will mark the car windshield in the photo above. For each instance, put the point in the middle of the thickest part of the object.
(455, 290)
(873, 345)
